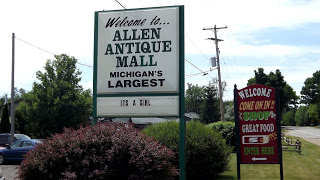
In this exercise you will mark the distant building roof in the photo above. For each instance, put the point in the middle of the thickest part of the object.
(144, 120)
(153, 120)
(192, 115)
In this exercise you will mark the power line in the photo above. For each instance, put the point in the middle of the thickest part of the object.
(197, 47)
(232, 46)
(225, 67)
(191, 39)
(46, 50)
(120, 4)
(193, 75)
(233, 56)
(204, 73)
(194, 65)
(84, 64)
(201, 73)
(158, 2)
(34, 46)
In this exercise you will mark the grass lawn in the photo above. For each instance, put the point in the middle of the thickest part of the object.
(295, 166)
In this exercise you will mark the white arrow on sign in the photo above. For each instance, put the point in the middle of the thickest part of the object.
(259, 159)
(253, 139)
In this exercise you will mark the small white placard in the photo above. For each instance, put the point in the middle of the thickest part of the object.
(138, 106)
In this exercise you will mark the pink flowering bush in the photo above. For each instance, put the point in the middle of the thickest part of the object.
(104, 151)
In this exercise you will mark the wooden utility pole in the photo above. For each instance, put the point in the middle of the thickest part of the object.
(216, 40)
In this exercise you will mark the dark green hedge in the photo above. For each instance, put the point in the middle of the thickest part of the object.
(227, 130)
(206, 153)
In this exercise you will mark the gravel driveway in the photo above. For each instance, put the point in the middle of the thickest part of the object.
(9, 172)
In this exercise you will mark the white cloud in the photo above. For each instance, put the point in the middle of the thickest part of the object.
(272, 50)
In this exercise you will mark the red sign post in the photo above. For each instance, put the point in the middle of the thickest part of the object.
(258, 126)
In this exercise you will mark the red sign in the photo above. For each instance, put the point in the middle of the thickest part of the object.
(258, 124)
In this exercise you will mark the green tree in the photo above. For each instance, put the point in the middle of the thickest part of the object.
(229, 114)
(288, 97)
(314, 114)
(310, 93)
(2, 100)
(20, 118)
(18, 93)
(194, 98)
(288, 118)
(302, 117)
(210, 107)
(58, 100)
(259, 77)
(5, 125)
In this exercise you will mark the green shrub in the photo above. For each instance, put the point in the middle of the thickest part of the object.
(104, 151)
(206, 153)
(227, 130)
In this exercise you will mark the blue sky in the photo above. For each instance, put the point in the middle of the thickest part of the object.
(273, 34)
(301, 35)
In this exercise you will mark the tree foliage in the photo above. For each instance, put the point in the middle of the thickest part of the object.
(301, 117)
(288, 118)
(314, 114)
(310, 93)
(226, 129)
(210, 111)
(229, 114)
(20, 118)
(58, 100)
(194, 98)
(2, 99)
(5, 123)
(18, 93)
(288, 97)
(203, 100)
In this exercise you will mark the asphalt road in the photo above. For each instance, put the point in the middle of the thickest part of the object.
(311, 134)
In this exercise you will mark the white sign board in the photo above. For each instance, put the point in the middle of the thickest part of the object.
(138, 106)
(138, 51)
(139, 63)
